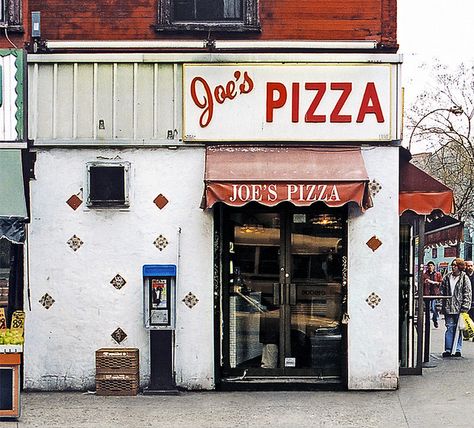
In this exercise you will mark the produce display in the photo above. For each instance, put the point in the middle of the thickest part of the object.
(8, 337)
(14, 334)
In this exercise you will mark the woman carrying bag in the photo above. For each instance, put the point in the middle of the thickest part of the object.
(457, 285)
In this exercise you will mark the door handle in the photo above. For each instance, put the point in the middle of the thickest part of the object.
(276, 293)
(292, 294)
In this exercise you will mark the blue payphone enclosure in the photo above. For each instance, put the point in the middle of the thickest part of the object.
(159, 296)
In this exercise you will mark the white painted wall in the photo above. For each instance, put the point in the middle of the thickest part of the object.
(373, 332)
(61, 341)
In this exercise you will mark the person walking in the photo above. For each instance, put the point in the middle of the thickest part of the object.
(470, 275)
(457, 285)
(431, 285)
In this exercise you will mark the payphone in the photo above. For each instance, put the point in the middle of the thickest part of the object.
(159, 297)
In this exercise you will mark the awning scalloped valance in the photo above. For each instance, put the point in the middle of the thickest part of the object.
(421, 193)
(237, 175)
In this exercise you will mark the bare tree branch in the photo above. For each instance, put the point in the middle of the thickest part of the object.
(438, 125)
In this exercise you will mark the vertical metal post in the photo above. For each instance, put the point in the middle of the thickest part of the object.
(162, 371)
(421, 256)
(426, 354)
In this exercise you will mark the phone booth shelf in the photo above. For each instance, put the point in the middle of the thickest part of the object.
(159, 298)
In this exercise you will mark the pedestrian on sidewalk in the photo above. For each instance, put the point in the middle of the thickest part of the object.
(431, 285)
(470, 275)
(457, 285)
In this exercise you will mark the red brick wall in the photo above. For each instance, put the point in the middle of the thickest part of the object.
(280, 19)
(15, 38)
(389, 23)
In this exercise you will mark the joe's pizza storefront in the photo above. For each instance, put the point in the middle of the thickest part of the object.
(289, 272)
(301, 175)
(284, 257)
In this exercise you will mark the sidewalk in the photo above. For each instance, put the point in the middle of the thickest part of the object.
(442, 397)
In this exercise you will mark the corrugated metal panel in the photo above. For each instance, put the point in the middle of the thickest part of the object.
(11, 102)
(108, 102)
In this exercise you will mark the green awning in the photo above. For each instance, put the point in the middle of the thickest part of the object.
(12, 193)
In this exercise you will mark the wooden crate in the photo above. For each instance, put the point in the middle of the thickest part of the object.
(117, 384)
(117, 360)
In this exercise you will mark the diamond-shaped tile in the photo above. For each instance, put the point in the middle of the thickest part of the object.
(161, 242)
(190, 300)
(118, 281)
(374, 243)
(374, 187)
(373, 300)
(160, 201)
(47, 301)
(119, 335)
(74, 202)
(75, 242)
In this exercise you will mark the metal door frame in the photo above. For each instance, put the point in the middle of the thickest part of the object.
(221, 293)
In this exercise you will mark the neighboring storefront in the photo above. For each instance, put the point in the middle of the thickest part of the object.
(421, 198)
(446, 238)
(13, 209)
(271, 184)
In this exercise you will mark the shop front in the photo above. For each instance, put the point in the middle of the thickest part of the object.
(288, 274)
(284, 258)
(13, 215)
(13, 207)
(13, 219)
(421, 198)
(287, 177)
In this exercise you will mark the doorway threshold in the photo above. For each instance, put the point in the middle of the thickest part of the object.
(282, 383)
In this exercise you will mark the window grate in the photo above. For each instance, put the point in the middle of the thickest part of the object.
(203, 15)
(108, 184)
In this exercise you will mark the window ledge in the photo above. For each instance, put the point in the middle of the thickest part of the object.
(12, 28)
(206, 27)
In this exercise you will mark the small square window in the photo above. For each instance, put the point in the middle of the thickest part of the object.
(107, 184)
(204, 15)
(11, 15)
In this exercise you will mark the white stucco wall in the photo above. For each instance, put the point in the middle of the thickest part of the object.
(61, 341)
(373, 332)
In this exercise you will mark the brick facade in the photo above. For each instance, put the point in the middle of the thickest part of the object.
(280, 20)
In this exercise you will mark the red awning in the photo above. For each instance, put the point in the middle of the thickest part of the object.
(421, 193)
(443, 230)
(449, 235)
(237, 175)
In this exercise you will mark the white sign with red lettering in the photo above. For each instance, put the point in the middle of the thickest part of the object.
(296, 102)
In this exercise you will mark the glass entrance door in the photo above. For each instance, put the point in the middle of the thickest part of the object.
(283, 293)
(316, 263)
(254, 310)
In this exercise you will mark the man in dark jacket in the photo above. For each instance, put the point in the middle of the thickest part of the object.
(431, 284)
(457, 285)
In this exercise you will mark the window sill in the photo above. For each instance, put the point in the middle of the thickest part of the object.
(206, 27)
(105, 206)
(12, 28)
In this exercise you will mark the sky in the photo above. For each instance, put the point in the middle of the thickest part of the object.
(436, 27)
(429, 30)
